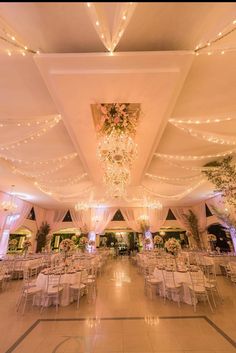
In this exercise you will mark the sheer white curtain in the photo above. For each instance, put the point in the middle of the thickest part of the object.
(157, 218)
(81, 219)
(131, 216)
(54, 218)
(40, 215)
(100, 217)
(13, 221)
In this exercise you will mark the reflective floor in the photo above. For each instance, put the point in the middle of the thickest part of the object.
(123, 319)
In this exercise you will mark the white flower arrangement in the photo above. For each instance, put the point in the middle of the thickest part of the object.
(211, 237)
(116, 117)
(173, 246)
(67, 245)
(83, 241)
(158, 240)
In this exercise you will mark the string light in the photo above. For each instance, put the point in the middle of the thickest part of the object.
(177, 196)
(212, 138)
(229, 29)
(48, 172)
(109, 40)
(199, 121)
(192, 158)
(190, 168)
(40, 163)
(68, 181)
(171, 180)
(12, 40)
(31, 136)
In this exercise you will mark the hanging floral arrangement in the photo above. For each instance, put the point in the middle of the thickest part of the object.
(116, 117)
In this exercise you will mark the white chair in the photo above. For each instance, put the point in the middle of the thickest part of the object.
(28, 293)
(78, 287)
(198, 289)
(152, 283)
(52, 291)
(171, 287)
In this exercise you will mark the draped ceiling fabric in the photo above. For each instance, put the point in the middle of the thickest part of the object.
(12, 221)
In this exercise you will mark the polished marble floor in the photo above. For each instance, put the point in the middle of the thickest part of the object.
(122, 319)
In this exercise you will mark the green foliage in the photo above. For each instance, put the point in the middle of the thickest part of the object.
(41, 236)
(223, 175)
(191, 222)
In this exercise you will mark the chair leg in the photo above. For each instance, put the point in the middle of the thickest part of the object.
(209, 302)
(78, 299)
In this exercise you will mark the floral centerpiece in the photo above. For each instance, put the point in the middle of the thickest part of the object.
(26, 245)
(116, 117)
(158, 240)
(83, 241)
(66, 246)
(173, 246)
(13, 243)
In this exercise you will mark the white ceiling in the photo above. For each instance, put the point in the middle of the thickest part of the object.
(153, 64)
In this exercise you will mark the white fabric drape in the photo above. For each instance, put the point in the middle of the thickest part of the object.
(81, 219)
(131, 216)
(93, 219)
(40, 215)
(12, 221)
(157, 218)
(100, 217)
(54, 218)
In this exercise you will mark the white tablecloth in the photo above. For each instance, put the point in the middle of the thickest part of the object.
(66, 296)
(180, 278)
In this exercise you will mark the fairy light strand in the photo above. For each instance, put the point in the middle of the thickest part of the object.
(212, 138)
(171, 180)
(222, 34)
(192, 158)
(30, 137)
(177, 196)
(199, 121)
(39, 163)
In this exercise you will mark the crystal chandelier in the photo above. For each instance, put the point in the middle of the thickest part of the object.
(10, 205)
(152, 203)
(81, 206)
(117, 149)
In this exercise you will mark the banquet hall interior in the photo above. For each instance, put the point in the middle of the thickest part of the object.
(117, 177)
